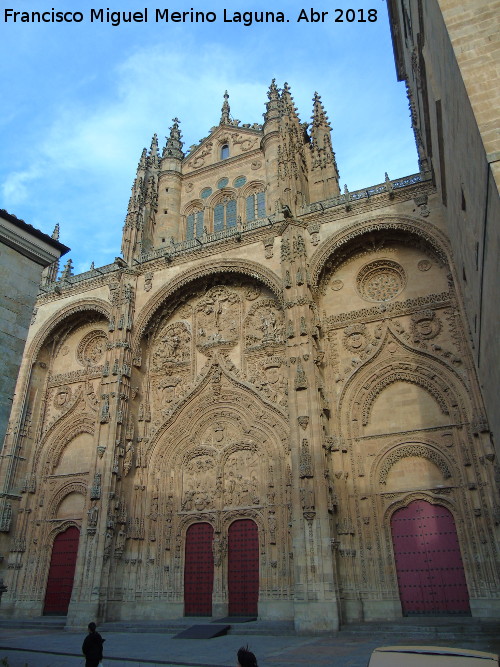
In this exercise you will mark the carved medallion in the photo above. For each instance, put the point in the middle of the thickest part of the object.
(62, 397)
(91, 348)
(355, 338)
(425, 325)
(381, 280)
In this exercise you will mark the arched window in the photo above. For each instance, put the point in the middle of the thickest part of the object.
(194, 227)
(224, 151)
(256, 206)
(225, 215)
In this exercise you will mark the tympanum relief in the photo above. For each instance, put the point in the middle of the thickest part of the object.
(241, 323)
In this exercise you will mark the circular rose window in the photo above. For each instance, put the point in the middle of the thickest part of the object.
(381, 280)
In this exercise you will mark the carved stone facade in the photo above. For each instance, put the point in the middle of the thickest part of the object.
(288, 356)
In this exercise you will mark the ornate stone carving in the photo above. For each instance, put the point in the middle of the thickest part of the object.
(95, 491)
(355, 337)
(241, 479)
(413, 449)
(425, 325)
(5, 516)
(381, 280)
(148, 281)
(172, 347)
(305, 463)
(264, 324)
(303, 421)
(219, 549)
(218, 318)
(62, 397)
(300, 378)
(91, 349)
(424, 265)
(199, 477)
(268, 247)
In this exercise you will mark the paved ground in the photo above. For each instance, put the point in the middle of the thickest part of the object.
(59, 648)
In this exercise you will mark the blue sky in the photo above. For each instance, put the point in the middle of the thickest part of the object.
(81, 100)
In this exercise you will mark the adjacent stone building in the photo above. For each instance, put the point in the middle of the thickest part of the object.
(447, 52)
(267, 406)
(26, 254)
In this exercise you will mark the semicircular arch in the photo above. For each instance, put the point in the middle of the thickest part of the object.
(340, 244)
(75, 308)
(244, 267)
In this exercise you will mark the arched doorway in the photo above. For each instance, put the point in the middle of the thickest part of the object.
(429, 565)
(243, 568)
(61, 572)
(198, 570)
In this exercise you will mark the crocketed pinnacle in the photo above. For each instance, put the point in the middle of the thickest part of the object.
(288, 104)
(154, 146)
(67, 270)
(143, 160)
(319, 117)
(154, 156)
(273, 106)
(224, 118)
(173, 147)
(55, 233)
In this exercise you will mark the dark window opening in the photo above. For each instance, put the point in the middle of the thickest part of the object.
(224, 152)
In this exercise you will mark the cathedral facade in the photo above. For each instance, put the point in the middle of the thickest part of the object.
(267, 406)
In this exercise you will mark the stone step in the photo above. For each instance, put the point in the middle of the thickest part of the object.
(432, 627)
(42, 622)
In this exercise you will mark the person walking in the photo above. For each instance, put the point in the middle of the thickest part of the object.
(246, 658)
(92, 647)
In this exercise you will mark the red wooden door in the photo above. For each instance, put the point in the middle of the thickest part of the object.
(429, 565)
(198, 570)
(61, 572)
(243, 568)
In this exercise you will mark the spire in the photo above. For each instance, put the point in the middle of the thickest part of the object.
(323, 163)
(173, 147)
(272, 107)
(224, 119)
(143, 160)
(288, 103)
(153, 156)
(55, 233)
(67, 271)
(154, 145)
(319, 117)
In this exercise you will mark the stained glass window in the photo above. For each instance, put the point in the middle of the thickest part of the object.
(222, 183)
(219, 217)
(256, 206)
(225, 215)
(238, 182)
(194, 224)
(206, 192)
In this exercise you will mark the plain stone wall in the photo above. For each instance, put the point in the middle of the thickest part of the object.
(460, 48)
(19, 280)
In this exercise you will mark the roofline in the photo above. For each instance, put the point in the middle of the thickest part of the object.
(396, 40)
(63, 249)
